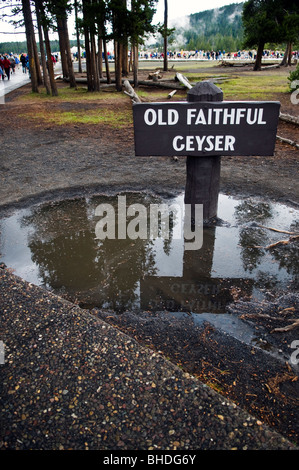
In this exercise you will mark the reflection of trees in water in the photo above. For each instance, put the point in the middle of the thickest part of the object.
(252, 211)
(266, 281)
(64, 246)
(251, 256)
(254, 236)
(288, 257)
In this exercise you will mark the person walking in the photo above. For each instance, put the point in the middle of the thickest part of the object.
(23, 62)
(6, 64)
(2, 73)
(12, 64)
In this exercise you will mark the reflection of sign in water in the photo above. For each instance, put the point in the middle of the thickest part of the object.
(203, 128)
(196, 290)
(178, 294)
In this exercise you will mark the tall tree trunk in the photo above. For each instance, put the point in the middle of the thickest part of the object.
(30, 44)
(108, 75)
(95, 70)
(259, 55)
(48, 49)
(100, 54)
(62, 47)
(88, 59)
(290, 55)
(135, 63)
(42, 49)
(285, 58)
(68, 53)
(50, 63)
(37, 63)
(78, 38)
(118, 65)
(165, 68)
(125, 66)
(131, 57)
(124, 50)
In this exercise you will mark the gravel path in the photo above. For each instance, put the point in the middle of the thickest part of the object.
(71, 381)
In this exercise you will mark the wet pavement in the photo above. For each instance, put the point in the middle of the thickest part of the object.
(16, 80)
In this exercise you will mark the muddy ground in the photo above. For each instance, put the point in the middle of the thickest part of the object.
(44, 162)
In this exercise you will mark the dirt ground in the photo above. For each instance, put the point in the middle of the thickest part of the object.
(71, 157)
(42, 163)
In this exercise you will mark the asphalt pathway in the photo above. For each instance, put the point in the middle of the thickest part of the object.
(16, 80)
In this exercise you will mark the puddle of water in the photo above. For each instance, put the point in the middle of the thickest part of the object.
(55, 246)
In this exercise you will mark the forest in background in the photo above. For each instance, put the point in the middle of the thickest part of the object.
(18, 47)
(215, 29)
(253, 24)
(218, 29)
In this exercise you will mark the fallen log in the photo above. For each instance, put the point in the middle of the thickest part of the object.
(275, 66)
(154, 75)
(234, 63)
(280, 242)
(160, 84)
(184, 80)
(295, 324)
(287, 141)
(277, 230)
(289, 118)
(170, 95)
(130, 92)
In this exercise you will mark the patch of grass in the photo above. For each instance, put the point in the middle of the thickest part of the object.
(256, 86)
(204, 64)
(149, 94)
(115, 119)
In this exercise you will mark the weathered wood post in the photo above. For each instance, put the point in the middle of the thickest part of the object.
(203, 173)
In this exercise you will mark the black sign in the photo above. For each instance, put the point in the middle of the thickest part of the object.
(205, 128)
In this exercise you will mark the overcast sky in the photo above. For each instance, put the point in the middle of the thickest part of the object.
(176, 8)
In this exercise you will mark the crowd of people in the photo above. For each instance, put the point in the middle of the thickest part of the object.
(9, 63)
(215, 55)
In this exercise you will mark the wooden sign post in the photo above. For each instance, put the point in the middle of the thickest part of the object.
(204, 128)
(203, 174)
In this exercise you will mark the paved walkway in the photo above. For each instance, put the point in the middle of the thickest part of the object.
(71, 381)
(16, 80)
